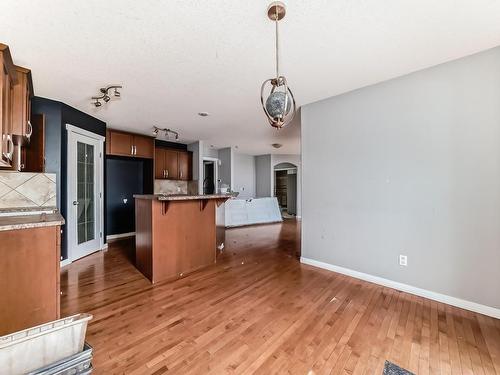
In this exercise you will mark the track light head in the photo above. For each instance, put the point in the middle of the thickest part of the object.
(97, 103)
(106, 98)
(117, 93)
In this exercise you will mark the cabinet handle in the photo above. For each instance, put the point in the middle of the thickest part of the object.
(135, 150)
(181, 174)
(10, 147)
(166, 173)
(30, 129)
(131, 150)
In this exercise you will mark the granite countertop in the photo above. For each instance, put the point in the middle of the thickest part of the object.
(31, 221)
(181, 197)
(26, 209)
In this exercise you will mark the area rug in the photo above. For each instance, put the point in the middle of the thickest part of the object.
(392, 369)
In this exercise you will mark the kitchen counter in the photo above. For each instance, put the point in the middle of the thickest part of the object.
(26, 221)
(181, 197)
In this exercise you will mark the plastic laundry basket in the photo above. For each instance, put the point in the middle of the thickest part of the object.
(36, 347)
(77, 364)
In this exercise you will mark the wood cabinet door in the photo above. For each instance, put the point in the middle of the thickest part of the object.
(160, 163)
(144, 147)
(172, 164)
(6, 94)
(184, 165)
(21, 112)
(120, 143)
(29, 279)
(34, 152)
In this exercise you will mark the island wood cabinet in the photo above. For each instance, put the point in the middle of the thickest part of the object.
(174, 237)
(173, 164)
(127, 144)
(29, 277)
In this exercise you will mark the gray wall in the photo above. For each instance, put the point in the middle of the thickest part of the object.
(263, 176)
(244, 175)
(226, 167)
(410, 166)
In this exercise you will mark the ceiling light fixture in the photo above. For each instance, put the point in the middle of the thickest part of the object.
(276, 145)
(104, 94)
(203, 114)
(279, 106)
(168, 133)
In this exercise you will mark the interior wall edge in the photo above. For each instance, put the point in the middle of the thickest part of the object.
(435, 296)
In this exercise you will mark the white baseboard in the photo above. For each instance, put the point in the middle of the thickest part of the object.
(104, 247)
(457, 302)
(65, 262)
(121, 235)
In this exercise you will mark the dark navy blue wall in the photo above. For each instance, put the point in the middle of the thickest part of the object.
(125, 177)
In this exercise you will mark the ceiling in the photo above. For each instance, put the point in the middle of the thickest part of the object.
(178, 58)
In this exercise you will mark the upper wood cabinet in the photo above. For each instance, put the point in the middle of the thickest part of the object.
(173, 164)
(23, 92)
(8, 79)
(185, 161)
(143, 147)
(128, 144)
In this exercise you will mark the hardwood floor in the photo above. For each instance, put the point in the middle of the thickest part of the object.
(258, 310)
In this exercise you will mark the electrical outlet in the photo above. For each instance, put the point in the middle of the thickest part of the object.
(403, 260)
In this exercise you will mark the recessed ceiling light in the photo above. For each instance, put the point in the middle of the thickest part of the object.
(203, 114)
(276, 145)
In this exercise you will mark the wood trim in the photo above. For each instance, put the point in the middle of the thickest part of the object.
(467, 305)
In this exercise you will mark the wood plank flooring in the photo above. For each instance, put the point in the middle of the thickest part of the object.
(259, 311)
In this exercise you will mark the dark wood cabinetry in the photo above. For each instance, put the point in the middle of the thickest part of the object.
(29, 277)
(173, 164)
(185, 162)
(21, 114)
(8, 78)
(33, 154)
(127, 144)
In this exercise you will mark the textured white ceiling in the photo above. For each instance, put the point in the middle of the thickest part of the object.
(177, 58)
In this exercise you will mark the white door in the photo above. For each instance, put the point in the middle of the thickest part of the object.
(84, 206)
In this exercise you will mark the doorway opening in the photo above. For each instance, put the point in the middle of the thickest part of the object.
(285, 189)
(210, 175)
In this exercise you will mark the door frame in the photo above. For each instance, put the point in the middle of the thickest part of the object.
(100, 172)
(216, 162)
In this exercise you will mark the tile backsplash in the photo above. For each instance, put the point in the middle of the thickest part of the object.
(170, 187)
(27, 190)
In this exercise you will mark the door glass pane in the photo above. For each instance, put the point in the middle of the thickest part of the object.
(85, 192)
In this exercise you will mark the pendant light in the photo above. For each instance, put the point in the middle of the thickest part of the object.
(279, 105)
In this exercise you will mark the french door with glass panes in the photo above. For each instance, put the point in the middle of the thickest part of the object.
(84, 205)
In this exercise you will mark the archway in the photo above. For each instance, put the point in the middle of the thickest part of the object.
(285, 188)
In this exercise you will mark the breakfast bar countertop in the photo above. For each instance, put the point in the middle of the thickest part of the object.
(181, 197)
(38, 220)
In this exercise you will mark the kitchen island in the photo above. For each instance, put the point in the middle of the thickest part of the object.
(175, 234)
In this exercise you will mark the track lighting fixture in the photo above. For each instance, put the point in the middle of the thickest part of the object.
(169, 133)
(104, 94)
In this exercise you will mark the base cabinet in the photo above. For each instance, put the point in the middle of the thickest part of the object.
(29, 277)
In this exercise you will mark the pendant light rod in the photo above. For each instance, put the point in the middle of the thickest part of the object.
(277, 45)
(276, 12)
